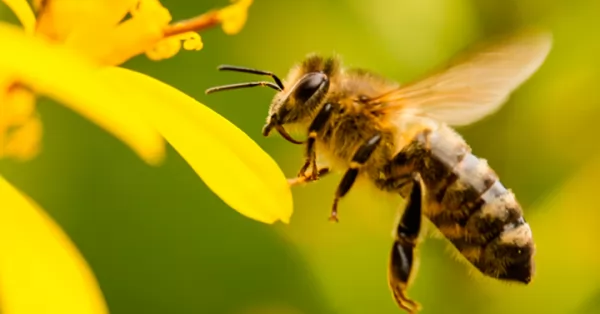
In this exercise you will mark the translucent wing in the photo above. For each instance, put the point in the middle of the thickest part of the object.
(476, 83)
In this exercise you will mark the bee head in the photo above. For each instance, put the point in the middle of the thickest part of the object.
(297, 100)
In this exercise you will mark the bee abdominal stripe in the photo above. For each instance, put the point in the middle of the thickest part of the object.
(470, 206)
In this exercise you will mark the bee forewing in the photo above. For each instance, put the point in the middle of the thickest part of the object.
(476, 83)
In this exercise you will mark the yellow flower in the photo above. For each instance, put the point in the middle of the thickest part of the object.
(71, 53)
(41, 270)
(64, 54)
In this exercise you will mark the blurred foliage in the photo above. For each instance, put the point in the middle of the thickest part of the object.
(160, 242)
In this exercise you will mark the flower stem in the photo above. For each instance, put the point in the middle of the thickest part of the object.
(199, 23)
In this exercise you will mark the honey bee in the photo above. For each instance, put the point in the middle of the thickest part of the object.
(400, 138)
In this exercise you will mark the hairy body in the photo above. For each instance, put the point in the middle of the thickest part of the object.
(464, 198)
(400, 138)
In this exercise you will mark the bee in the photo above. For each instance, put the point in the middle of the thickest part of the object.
(401, 139)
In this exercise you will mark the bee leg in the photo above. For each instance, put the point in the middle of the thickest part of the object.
(306, 179)
(360, 157)
(317, 124)
(402, 255)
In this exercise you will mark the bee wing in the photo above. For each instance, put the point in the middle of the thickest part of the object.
(476, 83)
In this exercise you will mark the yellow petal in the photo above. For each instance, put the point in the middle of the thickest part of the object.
(24, 13)
(115, 45)
(20, 127)
(71, 80)
(58, 19)
(41, 271)
(234, 17)
(18, 104)
(232, 165)
(24, 142)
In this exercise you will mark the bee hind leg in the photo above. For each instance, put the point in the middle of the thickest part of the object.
(403, 253)
(360, 157)
(310, 154)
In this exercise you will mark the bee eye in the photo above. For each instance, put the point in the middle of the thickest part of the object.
(309, 85)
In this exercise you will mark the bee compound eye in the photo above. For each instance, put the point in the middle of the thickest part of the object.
(309, 85)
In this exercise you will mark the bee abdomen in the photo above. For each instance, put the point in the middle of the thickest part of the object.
(466, 178)
(472, 208)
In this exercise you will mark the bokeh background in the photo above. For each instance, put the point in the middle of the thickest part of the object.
(160, 242)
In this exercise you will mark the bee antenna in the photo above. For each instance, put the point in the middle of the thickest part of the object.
(251, 71)
(242, 85)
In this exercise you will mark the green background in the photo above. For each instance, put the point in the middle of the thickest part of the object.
(160, 242)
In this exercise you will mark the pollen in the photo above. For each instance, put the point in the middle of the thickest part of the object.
(172, 43)
(170, 46)
(185, 33)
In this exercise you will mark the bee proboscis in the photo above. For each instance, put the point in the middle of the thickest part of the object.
(400, 138)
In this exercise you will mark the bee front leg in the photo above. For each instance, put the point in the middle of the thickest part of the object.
(317, 125)
(403, 255)
(308, 178)
(360, 158)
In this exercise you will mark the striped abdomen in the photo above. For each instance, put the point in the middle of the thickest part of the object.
(470, 206)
